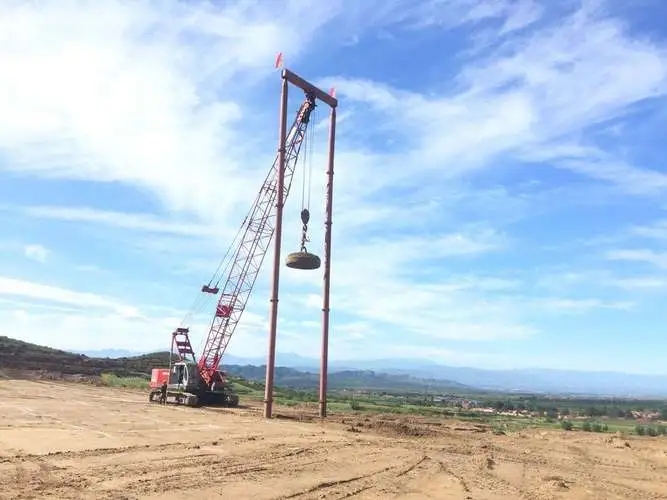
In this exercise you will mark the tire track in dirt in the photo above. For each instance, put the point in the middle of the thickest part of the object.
(320, 488)
(396, 479)
(358, 483)
(540, 480)
(180, 468)
(238, 468)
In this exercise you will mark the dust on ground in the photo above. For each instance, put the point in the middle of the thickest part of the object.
(67, 440)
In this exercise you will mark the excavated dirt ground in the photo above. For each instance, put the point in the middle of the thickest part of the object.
(67, 440)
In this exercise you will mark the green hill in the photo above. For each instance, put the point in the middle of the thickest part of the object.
(23, 356)
(19, 355)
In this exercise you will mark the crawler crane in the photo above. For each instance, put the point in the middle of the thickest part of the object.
(191, 381)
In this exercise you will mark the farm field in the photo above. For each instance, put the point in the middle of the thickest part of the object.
(68, 440)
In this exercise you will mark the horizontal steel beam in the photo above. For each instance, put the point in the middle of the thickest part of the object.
(296, 80)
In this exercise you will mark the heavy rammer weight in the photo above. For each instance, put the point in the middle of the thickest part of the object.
(303, 259)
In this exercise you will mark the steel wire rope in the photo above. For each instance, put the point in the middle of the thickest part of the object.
(310, 152)
(307, 161)
(303, 179)
(201, 301)
(219, 272)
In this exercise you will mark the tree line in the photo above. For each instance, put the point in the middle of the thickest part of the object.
(576, 408)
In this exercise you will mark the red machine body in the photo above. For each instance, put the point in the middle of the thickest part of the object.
(158, 377)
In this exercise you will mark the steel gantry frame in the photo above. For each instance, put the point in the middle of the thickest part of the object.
(288, 77)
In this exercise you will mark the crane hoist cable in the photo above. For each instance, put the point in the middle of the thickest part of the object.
(307, 180)
(307, 168)
(202, 299)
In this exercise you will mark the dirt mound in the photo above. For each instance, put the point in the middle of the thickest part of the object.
(393, 428)
(557, 482)
(618, 440)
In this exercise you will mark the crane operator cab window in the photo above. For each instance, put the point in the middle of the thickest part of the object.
(179, 375)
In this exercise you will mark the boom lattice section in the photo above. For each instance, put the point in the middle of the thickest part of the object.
(257, 232)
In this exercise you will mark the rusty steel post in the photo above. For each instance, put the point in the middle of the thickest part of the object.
(324, 361)
(280, 200)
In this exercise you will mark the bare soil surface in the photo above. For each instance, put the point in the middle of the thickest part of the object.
(71, 440)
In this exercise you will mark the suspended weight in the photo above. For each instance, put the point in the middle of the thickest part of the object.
(303, 260)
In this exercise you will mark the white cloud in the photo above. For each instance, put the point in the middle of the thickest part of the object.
(642, 244)
(531, 97)
(641, 283)
(400, 285)
(77, 331)
(658, 259)
(36, 252)
(579, 305)
(39, 292)
(657, 230)
(565, 281)
(140, 93)
(628, 178)
(170, 100)
(134, 221)
(511, 15)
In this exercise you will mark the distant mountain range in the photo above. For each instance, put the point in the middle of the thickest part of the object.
(19, 355)
(535, 380)
(349, 379)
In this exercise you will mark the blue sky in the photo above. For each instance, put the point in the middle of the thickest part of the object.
(500, 180)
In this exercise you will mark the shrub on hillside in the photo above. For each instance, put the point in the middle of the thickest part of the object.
(112, 380)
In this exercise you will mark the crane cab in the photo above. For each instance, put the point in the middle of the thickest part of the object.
(185, 376)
